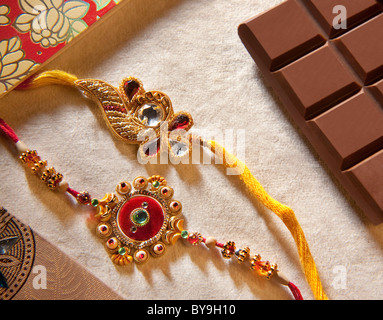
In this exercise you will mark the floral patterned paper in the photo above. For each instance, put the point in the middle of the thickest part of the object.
(32, 31)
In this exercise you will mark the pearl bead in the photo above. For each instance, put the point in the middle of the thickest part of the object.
(112, 243)
(62, 186)
(21, 146)
(210, 242)
(141, 256)
(104, 230)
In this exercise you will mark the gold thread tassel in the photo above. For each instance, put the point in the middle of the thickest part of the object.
(48, 77)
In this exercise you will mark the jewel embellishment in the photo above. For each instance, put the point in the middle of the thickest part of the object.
(139, 116)
(139, 223)
(150, 114)
(131, 87)
(139, 217)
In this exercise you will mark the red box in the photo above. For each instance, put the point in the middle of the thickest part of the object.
(34, 31)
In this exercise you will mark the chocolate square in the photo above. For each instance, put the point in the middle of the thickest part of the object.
(330, 80)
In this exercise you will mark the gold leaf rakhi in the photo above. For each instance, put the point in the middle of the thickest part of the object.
(142, 217)
(133, 114)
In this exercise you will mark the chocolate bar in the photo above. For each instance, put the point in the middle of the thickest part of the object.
(324, 59)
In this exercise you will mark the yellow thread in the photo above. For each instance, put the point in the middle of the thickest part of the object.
(285, 213)
(50, 77)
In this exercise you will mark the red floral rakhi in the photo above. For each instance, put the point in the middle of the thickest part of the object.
(140, 219)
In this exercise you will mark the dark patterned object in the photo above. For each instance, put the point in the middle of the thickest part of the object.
(17, 251)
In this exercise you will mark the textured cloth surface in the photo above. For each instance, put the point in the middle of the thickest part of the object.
(191, 51)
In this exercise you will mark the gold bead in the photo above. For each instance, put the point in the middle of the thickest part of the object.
(271, 272)
(228, 249)
(112, 244)
(104, 230)
(165, 192)
(157, 249)
(254, 262)
(140, 183)
(123, 188)
(140, 256)
(243, 254)
(175, 207)
(195, 238)
(263, 268)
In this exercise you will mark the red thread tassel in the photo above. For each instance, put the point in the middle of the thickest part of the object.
(295, 291)
(72, 192)
(8, 131)
(26, 83)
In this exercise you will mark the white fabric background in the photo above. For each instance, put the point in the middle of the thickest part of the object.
(191, 51)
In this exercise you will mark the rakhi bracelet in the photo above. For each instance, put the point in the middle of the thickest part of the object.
(141, 218)
(146, 118)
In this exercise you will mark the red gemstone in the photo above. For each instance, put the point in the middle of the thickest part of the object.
(84, 197)
(131, 88)
(181, 121)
